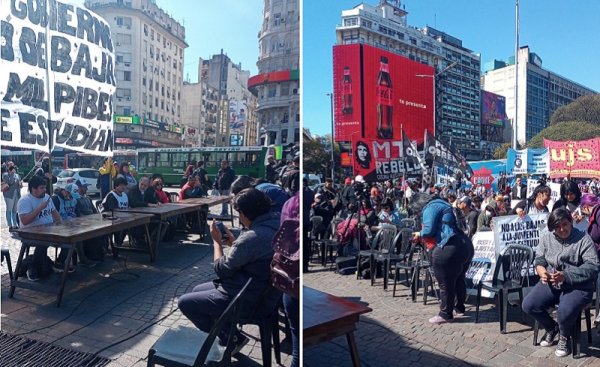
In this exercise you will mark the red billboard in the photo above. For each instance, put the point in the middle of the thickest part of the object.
(347, 91)
(398, 94)
(378, 93)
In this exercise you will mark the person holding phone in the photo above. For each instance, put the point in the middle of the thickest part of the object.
(249, 255)
(567, 264)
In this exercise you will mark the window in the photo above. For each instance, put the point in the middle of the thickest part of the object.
(272, 91)
(123, 75)
(123, 39)
(143, 81)
(349, 22)
(123, 92)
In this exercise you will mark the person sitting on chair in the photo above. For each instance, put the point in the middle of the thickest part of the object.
(191, 189)
(567, 264)
(141, 195)
(249, 255)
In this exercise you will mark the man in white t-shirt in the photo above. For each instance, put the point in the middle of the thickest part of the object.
(35, 209)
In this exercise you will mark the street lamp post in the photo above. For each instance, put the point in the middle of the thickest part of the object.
(433, 78)
(332, 132)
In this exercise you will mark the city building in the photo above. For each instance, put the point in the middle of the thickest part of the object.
(239, 125)
(456, 75)
(277, 83)
(540, 91)
(149, 48)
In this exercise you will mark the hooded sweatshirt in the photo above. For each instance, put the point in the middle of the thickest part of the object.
(576, 256)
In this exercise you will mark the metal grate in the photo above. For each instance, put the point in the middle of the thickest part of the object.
(16, 351)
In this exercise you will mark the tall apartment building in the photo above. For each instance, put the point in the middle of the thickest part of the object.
(277, 83)
(457, 112)
(149, 47)
(239, 125)
(540, 91)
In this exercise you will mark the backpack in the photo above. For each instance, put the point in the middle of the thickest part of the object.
(285, 266)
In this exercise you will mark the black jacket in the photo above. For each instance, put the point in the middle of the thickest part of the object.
(136, 199)
(225, 178)
(513, 194)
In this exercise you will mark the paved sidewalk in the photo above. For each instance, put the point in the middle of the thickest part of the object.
(119, 308)
(397, 332)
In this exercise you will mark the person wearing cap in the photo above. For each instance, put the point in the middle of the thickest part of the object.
(465, 204)
(93, 249)
(270, 172)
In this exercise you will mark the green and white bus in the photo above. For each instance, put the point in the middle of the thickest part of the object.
(172, 162)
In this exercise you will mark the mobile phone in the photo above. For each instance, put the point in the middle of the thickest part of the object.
(221, 228)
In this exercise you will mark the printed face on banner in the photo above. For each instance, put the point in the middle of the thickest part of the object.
(69, 79)
(378, 160)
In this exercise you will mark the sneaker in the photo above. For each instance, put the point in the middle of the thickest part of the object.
(60, 267)
(562, 349)
(32, 275)
(438, 320)
(459, 313)
(548, 338)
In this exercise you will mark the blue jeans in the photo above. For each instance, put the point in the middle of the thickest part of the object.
(224, 206)
(570, 303)
(292, 310)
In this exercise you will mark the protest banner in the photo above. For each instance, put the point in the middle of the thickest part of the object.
(574, 158)
(56, 78)
(380, 160)
(554, 195)
(437, 153)
(483, 263)
(487, 173)
(528, 161)
(512, 229)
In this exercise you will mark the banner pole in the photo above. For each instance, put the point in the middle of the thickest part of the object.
(50, 106)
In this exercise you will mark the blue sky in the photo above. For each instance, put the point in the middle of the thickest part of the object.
(563, 33)
(212, 25)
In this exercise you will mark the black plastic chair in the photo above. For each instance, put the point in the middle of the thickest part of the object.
(515, 262)
(316, 233)
(576, 333)
(187, 346)
(266, 316)
(387, 255)
(330, 243)
(415, 259)
(383, 241)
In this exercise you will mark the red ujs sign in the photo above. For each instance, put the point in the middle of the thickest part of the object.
(347, 91)
(398, 94)
(574, 158)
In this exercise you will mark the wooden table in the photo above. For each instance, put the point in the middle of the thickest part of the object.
(326, 317)
(207, 202)
(69, 233)
(161, 213)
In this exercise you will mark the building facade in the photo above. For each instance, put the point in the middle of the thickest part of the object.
(540, 91)
(457, 69)
(149, 52)
(277, 84)
(239, 126)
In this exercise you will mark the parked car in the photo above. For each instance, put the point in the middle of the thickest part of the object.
(71, 175)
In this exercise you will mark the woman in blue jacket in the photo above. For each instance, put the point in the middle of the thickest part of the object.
(452, 253)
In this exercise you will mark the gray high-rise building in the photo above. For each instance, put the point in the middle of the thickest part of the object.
(457, 78)
(540, 92)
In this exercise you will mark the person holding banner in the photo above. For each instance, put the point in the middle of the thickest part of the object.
(537, 203)
(452, 253)
(567, 264)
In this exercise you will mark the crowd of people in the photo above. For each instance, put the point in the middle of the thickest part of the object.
(262, 204)
(566, 259)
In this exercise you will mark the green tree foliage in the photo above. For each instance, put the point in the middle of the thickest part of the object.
(500, 152)
(584, 109)
(571, 130)
(317, 155)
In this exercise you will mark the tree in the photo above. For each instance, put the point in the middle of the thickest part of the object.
(317, 156)
(572, 130)
(500, 152)
(583, 109)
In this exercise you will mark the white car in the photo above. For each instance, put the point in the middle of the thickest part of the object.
(71, 175)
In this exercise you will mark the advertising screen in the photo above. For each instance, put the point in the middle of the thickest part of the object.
(347, 91)
(398, 94)
(379, 160)
(493, 109)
